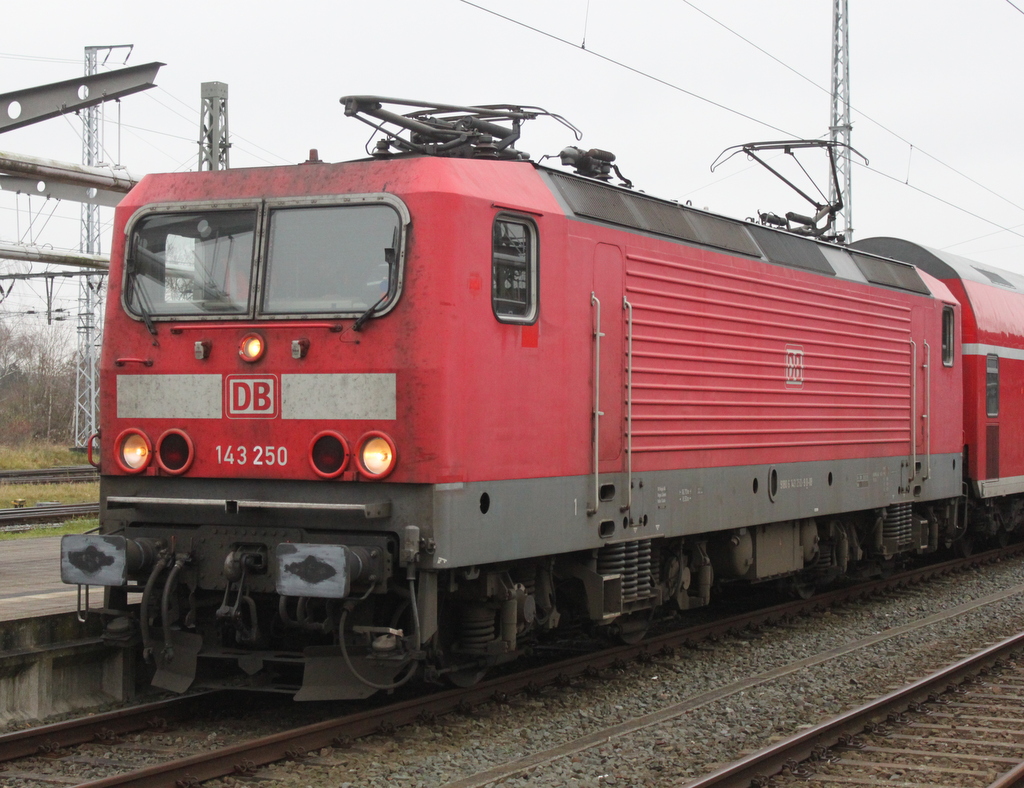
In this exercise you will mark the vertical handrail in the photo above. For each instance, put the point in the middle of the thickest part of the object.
(629, 405)
(596, 303)
(913, 411)
(927, 410)
(82, 614)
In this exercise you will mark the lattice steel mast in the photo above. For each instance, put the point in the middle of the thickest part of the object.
(90, 317)
(214, 144)
(840, 127)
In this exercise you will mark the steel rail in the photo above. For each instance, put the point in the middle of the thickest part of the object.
(245, 757)
(47, 513)
(50, 738)
(799, 747)
(68, 473)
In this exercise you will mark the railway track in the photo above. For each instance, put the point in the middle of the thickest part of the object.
(244, 757)
(962, 725)
(61, 475)
(47, 513)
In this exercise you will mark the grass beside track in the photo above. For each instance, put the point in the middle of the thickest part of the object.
(70, 527)
(87, 492)
(34, 455)
(37, 454)
(32, 494)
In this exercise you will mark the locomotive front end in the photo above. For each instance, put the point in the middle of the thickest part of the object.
(253, 496)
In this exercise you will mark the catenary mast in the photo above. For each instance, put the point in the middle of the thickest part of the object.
(214, 141)
(90, 301)
(840, 126)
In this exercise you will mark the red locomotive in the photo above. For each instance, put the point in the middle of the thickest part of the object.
(401, 417)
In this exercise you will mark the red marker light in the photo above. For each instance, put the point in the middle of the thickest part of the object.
(175, 452)
(328, 454)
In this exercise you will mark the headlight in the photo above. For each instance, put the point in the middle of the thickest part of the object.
(174, 451)
(328, 454)
(133, 451)
(251, 347)
(376, 457)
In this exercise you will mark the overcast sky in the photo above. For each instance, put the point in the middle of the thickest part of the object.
(664, 84)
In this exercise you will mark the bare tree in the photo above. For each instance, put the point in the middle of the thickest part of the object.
(37, 382)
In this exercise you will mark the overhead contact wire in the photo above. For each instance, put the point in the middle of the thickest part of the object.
(863, 114)
(632, 69)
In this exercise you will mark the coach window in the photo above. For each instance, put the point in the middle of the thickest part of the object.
(992, 385)
(514, 270)
(947, 336)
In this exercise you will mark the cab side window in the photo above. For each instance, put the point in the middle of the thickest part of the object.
(514, 270)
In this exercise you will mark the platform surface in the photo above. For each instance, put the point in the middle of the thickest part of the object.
(30, 582)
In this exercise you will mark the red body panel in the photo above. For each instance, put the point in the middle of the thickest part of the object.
(994, 321)
(735, 361)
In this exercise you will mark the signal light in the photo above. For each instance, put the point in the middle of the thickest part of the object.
(328, 454)
(251, 347)
(175, 452)
(376, 456)
(133, 451)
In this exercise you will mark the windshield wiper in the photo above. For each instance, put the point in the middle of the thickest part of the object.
(144, 313)
(390, 256)
(366, 315)
(136, 293)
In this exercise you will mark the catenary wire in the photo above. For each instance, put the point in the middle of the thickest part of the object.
(765, 123)
(860, 112)
(633, 69)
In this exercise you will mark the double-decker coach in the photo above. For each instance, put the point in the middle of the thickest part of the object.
(993, 351)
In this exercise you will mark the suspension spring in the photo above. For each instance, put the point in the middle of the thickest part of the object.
(477, 628)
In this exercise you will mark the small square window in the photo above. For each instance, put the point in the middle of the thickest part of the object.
(514, 270)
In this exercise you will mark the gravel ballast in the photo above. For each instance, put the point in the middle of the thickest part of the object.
(697, 741)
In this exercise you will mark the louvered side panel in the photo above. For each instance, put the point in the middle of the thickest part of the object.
(754, 357)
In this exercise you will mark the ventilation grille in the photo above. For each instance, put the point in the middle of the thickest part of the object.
(606, 203)
(792, 251)
(890, 274)
(991, 451)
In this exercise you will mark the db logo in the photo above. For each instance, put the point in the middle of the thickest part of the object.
(251, 396)
(794, 366)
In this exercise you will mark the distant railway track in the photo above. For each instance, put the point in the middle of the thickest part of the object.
(62, 475)
(950, 725)
(47, 513)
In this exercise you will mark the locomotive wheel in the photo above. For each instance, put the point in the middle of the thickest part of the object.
(467, 677)
(802, 588)
(963, 547)
(633, 627)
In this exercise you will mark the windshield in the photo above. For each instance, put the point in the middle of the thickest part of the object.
(332, 259)
(191, 263)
